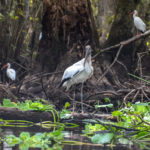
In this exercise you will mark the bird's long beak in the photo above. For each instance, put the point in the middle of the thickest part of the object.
(88, 53)
(5, 66)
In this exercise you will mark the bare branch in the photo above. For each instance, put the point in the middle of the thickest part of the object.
(147, 33)
(112, 63)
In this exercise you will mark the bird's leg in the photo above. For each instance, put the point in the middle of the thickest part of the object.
(137, 32)
(82, 98)
(74, 96)
(9, 82)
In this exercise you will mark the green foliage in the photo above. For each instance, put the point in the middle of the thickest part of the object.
(134, 117)
(12, 140)
(29, 105)
(102, 138)
(104, 106)
(65, 114)
(48, 140)
(106, 99)
(90, 129)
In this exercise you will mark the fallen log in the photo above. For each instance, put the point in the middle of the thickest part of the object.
(7, 113)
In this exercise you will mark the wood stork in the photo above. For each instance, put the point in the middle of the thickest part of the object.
(138, 22)
(79, 72)
(11, 73)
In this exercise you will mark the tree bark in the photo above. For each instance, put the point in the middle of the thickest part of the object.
(67, 26)
(7, 113)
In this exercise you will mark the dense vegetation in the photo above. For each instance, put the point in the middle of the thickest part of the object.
(41, 38)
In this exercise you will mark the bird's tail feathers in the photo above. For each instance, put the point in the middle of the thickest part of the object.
(62, 82)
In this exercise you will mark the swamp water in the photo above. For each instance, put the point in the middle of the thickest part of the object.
(69, 135)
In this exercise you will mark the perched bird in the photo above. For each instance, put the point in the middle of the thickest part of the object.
(79, 72)
(11, 73)
(138, 22)
(40, 36)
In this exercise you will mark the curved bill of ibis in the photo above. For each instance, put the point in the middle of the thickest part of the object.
(5, 66)
(131, 13)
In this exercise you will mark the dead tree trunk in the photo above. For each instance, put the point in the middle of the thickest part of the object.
(67, 26)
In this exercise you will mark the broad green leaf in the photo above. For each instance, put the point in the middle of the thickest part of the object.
(8, 103)
(102, 138)
(25, 136)
(12, 140)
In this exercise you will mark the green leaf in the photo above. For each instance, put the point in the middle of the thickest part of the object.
(125, 141)
(24, 146)
(8, 103)
(12, 140)
(25, 136)
(103, 106)
(107, 99)
(141, 107)
(102, 138)
(117, 113)
(67, 104)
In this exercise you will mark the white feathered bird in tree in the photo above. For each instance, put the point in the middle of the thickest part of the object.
(11, 73)
(79, 72)
(138, 22)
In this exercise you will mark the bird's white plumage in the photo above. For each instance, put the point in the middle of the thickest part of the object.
(11, 73)
(79, 72)
(40, 36)
(138, 22)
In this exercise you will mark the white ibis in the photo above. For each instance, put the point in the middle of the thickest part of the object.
(11, 73)
(40, 36)
(138, 22)
(78, 73)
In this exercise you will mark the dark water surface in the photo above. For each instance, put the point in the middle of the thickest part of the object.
(70, 135)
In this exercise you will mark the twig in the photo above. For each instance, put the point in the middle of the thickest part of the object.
(119, 62)
(143, 120)
(75, 100)
(124, 43)
(145, 94)
(44, 88)
(102, 92)
(135, 96)
(107, 124)
(128, 95)
(112, 63)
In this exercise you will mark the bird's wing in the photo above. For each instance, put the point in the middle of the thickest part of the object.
(11, 73)
(140, 25)
(72, 71)
(81, 62)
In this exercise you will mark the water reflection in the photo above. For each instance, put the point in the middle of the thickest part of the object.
(87, 147)
(74, 135)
